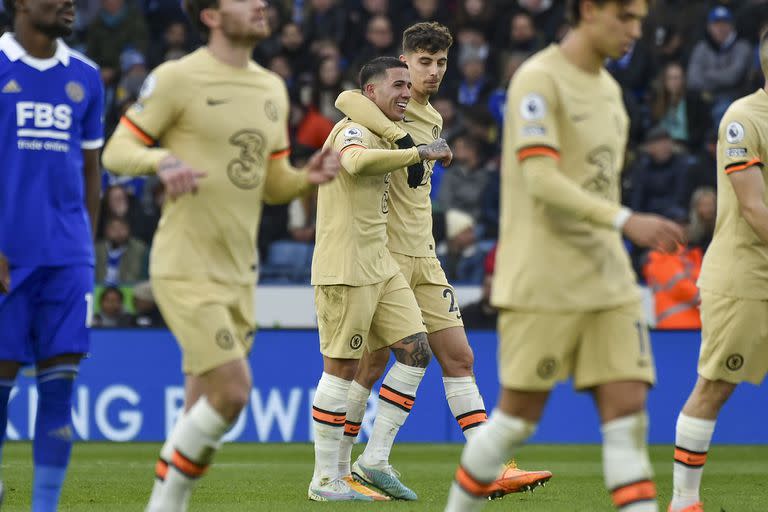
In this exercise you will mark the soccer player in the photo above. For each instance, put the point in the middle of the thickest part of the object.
(51, 115)
(213, 126)
(568, 299)
(734, 288)
(409, 228)
(363, 301)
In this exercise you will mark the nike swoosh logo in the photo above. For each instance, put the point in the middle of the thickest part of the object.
(408, 403)
(458, 317)
(213, 102)
(407, 120)
(579, 117)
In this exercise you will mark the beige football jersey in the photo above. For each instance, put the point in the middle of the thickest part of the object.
(228, 122)
(351, 236)
(736, 263)
(548, 260)
(410, 211)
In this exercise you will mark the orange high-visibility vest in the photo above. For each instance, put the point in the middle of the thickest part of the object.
(672, 278)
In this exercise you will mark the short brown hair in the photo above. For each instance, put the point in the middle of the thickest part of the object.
(573, 8)
(193, 8)
(428, 36)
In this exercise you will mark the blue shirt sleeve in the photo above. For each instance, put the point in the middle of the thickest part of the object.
(93, 120)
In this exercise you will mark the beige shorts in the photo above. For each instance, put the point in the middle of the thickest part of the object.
(437, 299)
(536, 350)
(734, 339)
(353, 318)
(212, 322)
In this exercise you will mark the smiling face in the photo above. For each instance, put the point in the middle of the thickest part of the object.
(391, 92)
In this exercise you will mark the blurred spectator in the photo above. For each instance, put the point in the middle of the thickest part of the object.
(117, 27)
(481, 314)
(469, 41)
(379, 42)
(509, 64)
(359, 14)
(311, 127)
(475, 85)
(548, 16)
(478, 14)
(119, 257)
(720, 62)
(294, 48)
(668, 46)
(479, 124)
(658, 177)
(428, 10)
(684, 114)
(703, 171)
(325, 87)
(174, 41)
(324, 19)
(751, 18)
(149, 211)
(280, 65)
(489, 213)
(115, 202)
(111, 309)
(464, 182)
(133, 72)
(520, 35)
(634, 71)
(270, 46)
(672, 278)
(460, 231)
(147, 313)
(702, 217)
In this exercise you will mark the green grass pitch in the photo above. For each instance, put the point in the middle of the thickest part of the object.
(106, 477)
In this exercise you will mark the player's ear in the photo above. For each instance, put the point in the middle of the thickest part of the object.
(370, 90)
(210, 17)
(403, 59)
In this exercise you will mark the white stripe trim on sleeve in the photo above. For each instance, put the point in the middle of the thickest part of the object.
(92, 144)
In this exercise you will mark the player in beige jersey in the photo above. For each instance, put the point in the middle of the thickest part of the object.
(363, 301)
(568, 301)
(734, 288)
(425, 50)
(219, 124)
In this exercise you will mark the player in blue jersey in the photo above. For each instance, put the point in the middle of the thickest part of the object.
(51, 130)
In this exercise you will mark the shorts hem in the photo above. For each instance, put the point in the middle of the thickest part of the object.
(583, 386)
(443, 326)
(212, 365)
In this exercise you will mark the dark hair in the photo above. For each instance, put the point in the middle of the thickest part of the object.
(193, 8)
(112, 289)
(573, 8)
(378, 68)
(10, 8)
(428, 36)
(763, 51)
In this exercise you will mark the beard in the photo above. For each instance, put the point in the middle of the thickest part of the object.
(233, 29)
(54, 30)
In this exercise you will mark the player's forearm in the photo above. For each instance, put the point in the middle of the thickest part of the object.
(125, 154)
(375, 162)
(92, 174)
(756, 215)
(362, 110)
(284, 182)
(545, 182)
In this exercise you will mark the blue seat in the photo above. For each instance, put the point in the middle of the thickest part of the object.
(287, 261)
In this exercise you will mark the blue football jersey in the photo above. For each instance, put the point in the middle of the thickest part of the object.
(50, 110)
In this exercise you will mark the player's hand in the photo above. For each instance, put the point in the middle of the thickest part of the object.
(177, 177)
(437, 150)
(653, 231)
(5, 275)
(323, 166)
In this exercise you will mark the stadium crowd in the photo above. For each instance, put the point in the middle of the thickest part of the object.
(695, 58)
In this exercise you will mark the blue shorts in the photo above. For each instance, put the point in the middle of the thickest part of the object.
(47, 313)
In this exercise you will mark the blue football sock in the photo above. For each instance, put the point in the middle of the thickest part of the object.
(5, 392)
(53, 435)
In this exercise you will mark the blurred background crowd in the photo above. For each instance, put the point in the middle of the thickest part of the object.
(695, 58)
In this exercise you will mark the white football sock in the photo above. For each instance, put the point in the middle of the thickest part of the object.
(396, 398)
(329, 415)
(195, 443)
(626, 467)
(357, 400)
(161, 467)
(483, 460)
(465, 403)
(692, 440)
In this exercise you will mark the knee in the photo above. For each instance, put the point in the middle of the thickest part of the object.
(413, 350)
(231, 400)
(459, 364)
(708, 396)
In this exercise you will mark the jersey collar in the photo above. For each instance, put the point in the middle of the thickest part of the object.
(14, 51)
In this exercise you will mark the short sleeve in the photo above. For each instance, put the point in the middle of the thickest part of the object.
(93, 120)
(738, 143)
(353, 135)
(531, 115)
(157, 106)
